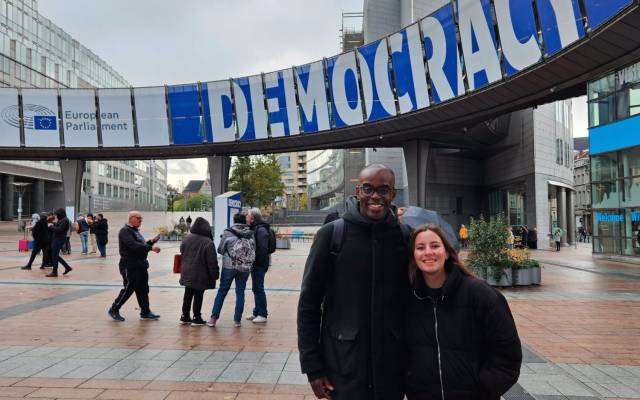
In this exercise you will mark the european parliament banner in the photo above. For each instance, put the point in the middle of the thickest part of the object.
(116, 119)
(40, 117)
(79, 117)
(464, 46)
(151, 116)
(10, 118)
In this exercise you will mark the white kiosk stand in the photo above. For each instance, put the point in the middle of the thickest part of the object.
(226, 206)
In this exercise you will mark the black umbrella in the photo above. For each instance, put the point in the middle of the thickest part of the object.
(416, 216)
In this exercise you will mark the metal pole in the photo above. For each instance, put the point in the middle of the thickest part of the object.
(19, 211)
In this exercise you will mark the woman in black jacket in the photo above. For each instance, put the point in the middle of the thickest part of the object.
(41, 241)
(101, 230)
(462, 340)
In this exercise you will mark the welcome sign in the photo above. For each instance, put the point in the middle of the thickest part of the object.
(463, 47)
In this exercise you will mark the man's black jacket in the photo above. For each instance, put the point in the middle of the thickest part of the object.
(261, 233)
(351, 311)
(133, 249)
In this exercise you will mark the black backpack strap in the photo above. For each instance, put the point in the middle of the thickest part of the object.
(336, 237)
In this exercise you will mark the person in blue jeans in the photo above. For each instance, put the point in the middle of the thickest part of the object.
(260, 265)
(237, 248)
(83, 232)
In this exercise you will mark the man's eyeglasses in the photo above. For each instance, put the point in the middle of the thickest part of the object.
(369, 190)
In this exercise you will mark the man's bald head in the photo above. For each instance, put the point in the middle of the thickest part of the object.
(374, 169)
(134, 219)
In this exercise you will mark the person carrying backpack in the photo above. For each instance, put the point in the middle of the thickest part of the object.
(238, 250)
(265, 239)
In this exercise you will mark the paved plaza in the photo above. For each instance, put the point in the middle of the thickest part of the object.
(580, 331)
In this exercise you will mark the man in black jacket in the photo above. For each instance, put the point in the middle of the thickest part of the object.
(351, 308)
(133, 267)
(59, 231)
(260, 265)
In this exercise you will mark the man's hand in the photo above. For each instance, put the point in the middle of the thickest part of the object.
(322, 388)
(155, 239)
(155, 249)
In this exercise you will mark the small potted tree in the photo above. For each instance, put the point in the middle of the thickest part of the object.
(521, 267)
(488, 256)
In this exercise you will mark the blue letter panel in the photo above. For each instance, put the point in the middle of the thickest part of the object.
(598, 11)
(549, 24)
(185, 114)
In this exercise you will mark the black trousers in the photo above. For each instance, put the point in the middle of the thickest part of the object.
(134, 280)
(56, 246)
(557, 246)
(196, 295)
(46, 255)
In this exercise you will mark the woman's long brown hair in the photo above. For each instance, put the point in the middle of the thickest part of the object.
(452, 262)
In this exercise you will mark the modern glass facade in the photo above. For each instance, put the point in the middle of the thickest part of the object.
(614, 105)
(35, 53)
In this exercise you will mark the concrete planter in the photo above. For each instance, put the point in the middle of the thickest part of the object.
(521, 277)
(283, 243)
(536, 276)
(498, 276)
(480, 272)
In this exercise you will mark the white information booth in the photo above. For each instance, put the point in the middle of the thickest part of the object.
(226, 206)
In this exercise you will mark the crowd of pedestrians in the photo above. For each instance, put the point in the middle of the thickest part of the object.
(51, 234)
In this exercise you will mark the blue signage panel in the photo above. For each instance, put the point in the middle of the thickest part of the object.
(218, 112)
(478, 43)
(518, 34)
(280, 95)
(185, 114)
(615, 136)
(345, 92)
(599, 11)
(561, 23)
(408, 69)
(375, 75)
(443, 57)
(312, 97)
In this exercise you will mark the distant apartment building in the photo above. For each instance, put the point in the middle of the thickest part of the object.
(582, 186)
(294, 177)
(35, 53)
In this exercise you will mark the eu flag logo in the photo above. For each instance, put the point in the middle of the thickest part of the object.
(46, 122)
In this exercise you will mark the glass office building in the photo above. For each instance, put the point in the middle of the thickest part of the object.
(36, 53)
(614, 139)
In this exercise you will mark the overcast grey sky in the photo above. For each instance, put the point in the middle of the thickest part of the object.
(153, 42)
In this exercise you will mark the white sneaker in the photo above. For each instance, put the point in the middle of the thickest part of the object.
(250, 317)
(259, 320)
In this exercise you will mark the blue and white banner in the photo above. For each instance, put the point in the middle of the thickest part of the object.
(40, 113)
(481, 59)
(464, 46)
(377, 86)
(151, 116)
(409, 69)
(345, 92)
(312, 97)
(248, 99)
(116, 119)
(561, 23)
(443, 57)
(184, 108)
(280, 94)
(10, 118)
(218, 111)
(79, 117)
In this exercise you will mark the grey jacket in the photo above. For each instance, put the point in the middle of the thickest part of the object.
(242, 230)
(199, 262)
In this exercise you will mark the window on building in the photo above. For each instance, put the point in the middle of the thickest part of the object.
(101, 189)
(109, 190)
(115, 192)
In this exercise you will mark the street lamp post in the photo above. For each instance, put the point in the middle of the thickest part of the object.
(91, 199)
(20, 188)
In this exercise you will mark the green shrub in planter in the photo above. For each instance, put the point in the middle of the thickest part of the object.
(487, 242)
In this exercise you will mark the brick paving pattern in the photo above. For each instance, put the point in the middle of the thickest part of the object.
(580, 331)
